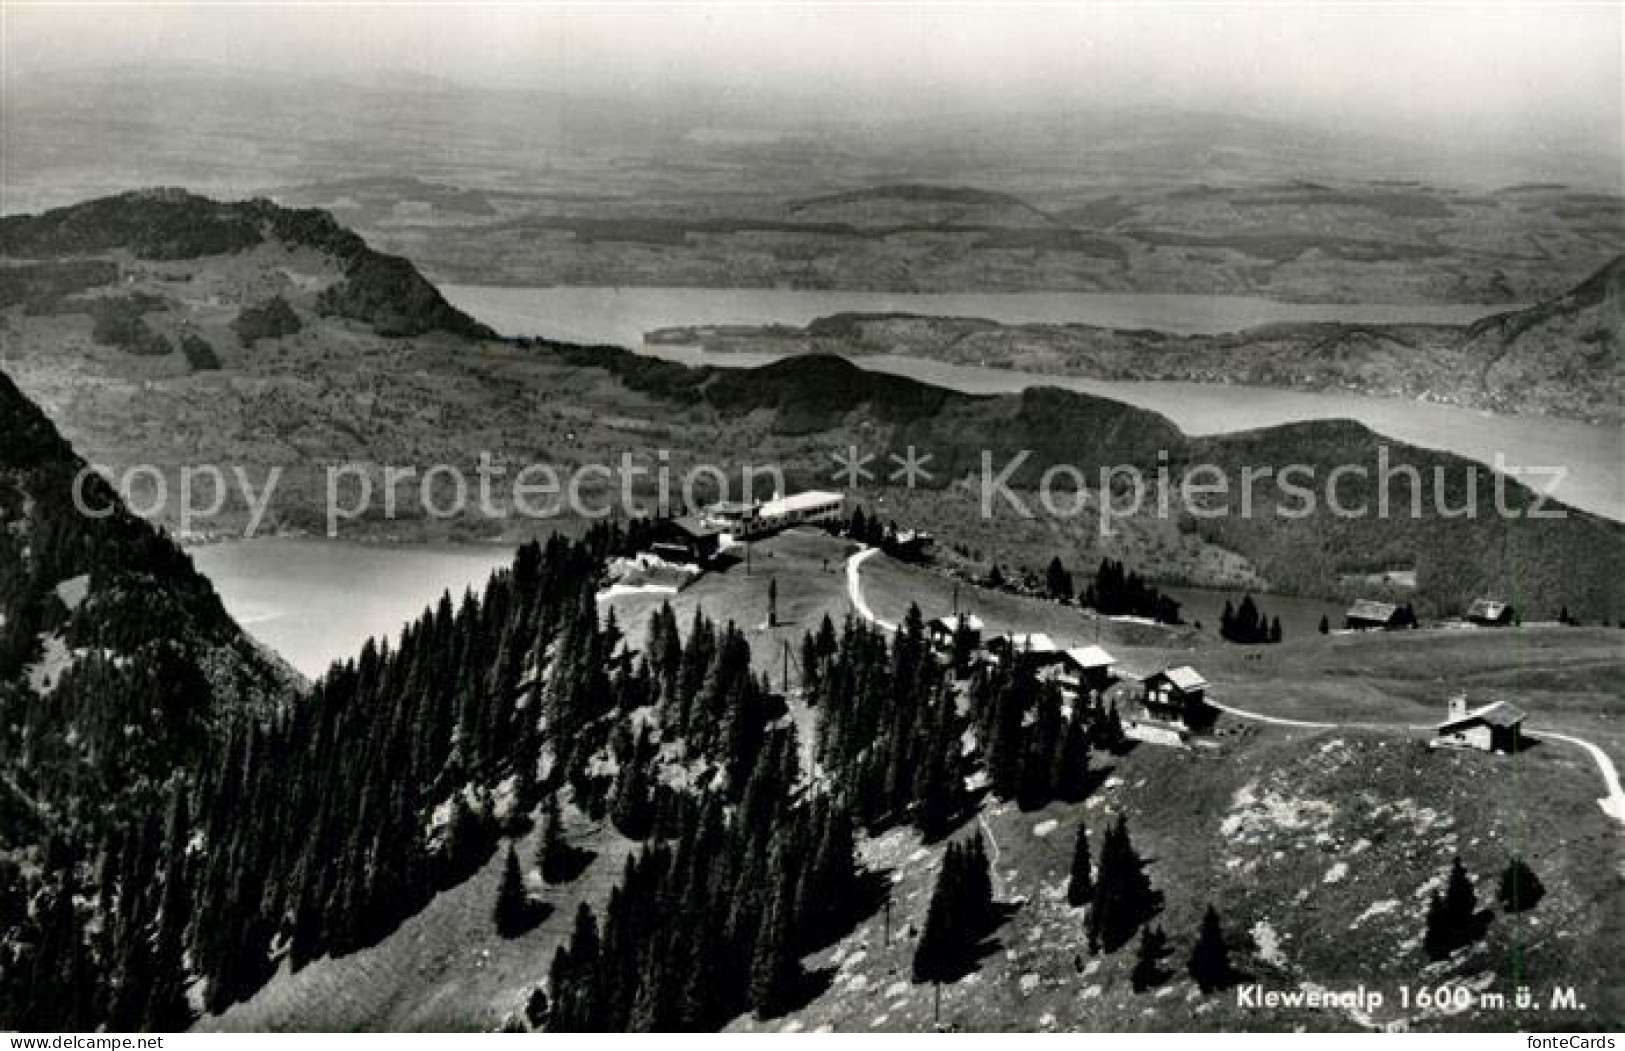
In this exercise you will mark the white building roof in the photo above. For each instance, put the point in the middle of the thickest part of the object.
(812, 499)
(972, 621)
(1037, 642)
(1090, 657)
(1499, 714)
(1185, 678)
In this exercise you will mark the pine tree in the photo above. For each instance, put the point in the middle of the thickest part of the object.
(1111, 730)
(631, 809)
(1058, 580)
(1210, 959)
(1081, 887)
(554, 857)
(1521, 889)
(1005, 746)
(775, 973)
(1148, 972)
(1325, 625)
(1452, 918)
(1246, 625)
(167, 1009)
(1123, 896)
(978, 883)
(575, 978)
(936, 954)
(938, 786)
(512, 911)
(1042, 741)
(1070, 774)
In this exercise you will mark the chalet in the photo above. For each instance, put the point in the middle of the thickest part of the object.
(1371, 615)
(735, 517)
(1085, 669)
(1489, 613)
(910, 545)
(686, 540)
(941, 630)
(1036, 650)
(1177, 696)
(1494, 727)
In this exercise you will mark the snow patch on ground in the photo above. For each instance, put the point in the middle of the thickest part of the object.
(1044, 828)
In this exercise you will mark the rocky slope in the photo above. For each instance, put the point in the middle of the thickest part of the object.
(120, 674)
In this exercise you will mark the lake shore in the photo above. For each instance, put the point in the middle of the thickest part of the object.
(1588, 454)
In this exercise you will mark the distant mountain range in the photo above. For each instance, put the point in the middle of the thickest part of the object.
(916, 205)
(517, 187)
(1350, 241)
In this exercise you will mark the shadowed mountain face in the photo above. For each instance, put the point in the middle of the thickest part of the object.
(121, 676)
(326, 353)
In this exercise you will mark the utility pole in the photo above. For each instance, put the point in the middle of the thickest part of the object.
(785, 668)
(956, 598)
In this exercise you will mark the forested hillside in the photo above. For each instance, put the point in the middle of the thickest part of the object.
(119, 672)
(170, 225)
(146, 883)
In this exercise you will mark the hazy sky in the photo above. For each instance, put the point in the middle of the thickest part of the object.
(1434, 69)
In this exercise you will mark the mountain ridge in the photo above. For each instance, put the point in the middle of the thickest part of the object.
(1563, 356)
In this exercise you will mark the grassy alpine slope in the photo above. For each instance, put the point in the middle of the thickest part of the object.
(1318, 847)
